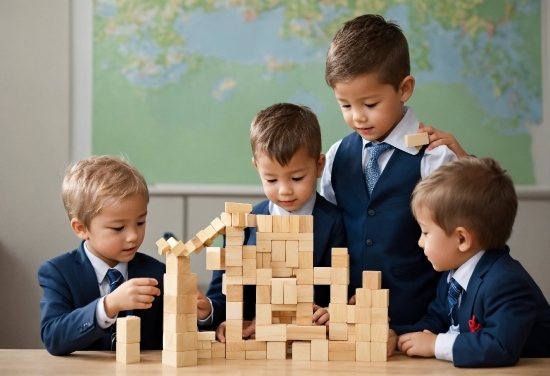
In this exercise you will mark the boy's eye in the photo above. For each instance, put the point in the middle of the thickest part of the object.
(141, 223)
(345, 105)
(371, 105)
(424, 233)
(298, 179)
(117, 228)
(271, 180)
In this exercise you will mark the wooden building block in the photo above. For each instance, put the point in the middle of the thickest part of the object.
(362, 315)
(233, 255)
(204, 353)
(305, 245)
(263, 246)
(177, 265)
(179, 358)
(305, 260)
(338, 312)
(284, 307)
(127, 352)
(235, 355)
(292, 253)
(264, 223)
(162, 246)
(253, 345)
(301, 350)
(341, 350)
(234, 271)
(339, 276)
(273, 332)
(306, 224)
(235, 207)
(304, 293)
(283, 236)
(180, 284)
(379, 332)
(278, 250)
(233, 279)
(305, 332)
(339, 251)
(238, 220)
(183, 341)
(351, 332)
(319, 349)
(363, 297)
(263, 314)
(339, 294)
(266, 260)
(372, 279)
(211, 232)
(351, 314)
(226, 219)
(198, 243)
(263, 295)
(250, 220)
(277, 227)
(294, 224)
(234, 241)
(277, 291)
(234, 330)
(204, 238)
(175, 322)
(362, 351)
(177, 247)
(305, 277)
(180, 304)
(276, 350)
(290, 293)
(249, 271)
(235, 345)
(256, 354)
(128, 329)
(280, 270)
(340, 261)
(234, 293)
(191, 322)
(234, 310)
(285, 223)
(231, 231)
(218, 350)
(322, 275)
(417, 140)
(264, 277)
(206, 336)
(379, 315)
(218, 225)
(191, 247)
(362, 332)
(215, 258)
(337, 331)
(381, 298)
(249, 252)
(378, 352)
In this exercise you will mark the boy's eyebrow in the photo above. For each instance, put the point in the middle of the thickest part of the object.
(124, 219)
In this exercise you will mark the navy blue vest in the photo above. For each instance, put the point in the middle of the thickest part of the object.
(382, 233)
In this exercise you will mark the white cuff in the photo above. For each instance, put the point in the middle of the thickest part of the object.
(444, 346)
(103, 320)
(207, 321)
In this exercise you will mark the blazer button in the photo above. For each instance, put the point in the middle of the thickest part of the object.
(371, 212)
(369, 242)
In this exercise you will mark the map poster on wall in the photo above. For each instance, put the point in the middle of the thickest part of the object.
(176, 83)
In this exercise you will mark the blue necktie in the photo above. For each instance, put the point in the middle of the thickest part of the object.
(372, 170)
(115, 280)
(455, 290)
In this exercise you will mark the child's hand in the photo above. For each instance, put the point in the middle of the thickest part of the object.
(321, 315)
(203, 306)
(418, 343)
(392, 342)
(220, 332)
(249, 328)
(352, 300)
(136, 293)
(438, 138)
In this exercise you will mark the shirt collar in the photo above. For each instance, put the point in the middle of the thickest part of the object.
(463, 274)
(305, 209)
(408, 125)
(101, 268)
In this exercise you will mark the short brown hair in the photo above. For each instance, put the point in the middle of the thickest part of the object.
(95, 182)
(368, 44)
(281, 130)
(473, 193)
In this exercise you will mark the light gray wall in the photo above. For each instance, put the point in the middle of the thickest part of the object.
(35, 108)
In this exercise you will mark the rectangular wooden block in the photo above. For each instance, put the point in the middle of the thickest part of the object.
(362, 315)
(362, 332)
(340, 261)
(351, 314)
(290, 293)
(338, 313)
(305, 245)
(283, 236)
(277, 227)
(176, 247)
(416, 139)
(351, 332)
(234, 293)
(179, 358)
(215, 258)
(279, 269)
(218, 225)
(226, 219)
(206, 336)
(235, 355)
(218, 350)
(256, 354)
(305, 332)
(177, 265)
(305, 260)
(204, 353)
(338, 331)
(263, 246)
(180, 284)
(264, 277)
(276, 350)
(319, 349)
(379, 315)
(363, 297)
(381, 298)
(341, 350)
(284, 307)
(175, 322)
(378, 352)
(277, 291)
(305, 277)
(249, 271)
(211, 232)
(234, 310)
(292, 254)
(379, 332)
(339, 294)
(231, 346)
(339, 276)
(301, 350)
(128, 329)
(235, 207)
(278, 250)
(163, 246)
(127, 352)
(238, 220)
(234, 330)
(263, 294)
(263, 314)
(233, 255)
(234, 271)
(304, 293)
(250, 220)
(372, 279)
(236, 240)
(184, 341)
(285, 223)
(203, 237)
(306, 223)
(362, 351)
(249, 252)
(273, 332)
(253, 345)
(322, 275)
(180, 304)
(233, 279)
(294, 223)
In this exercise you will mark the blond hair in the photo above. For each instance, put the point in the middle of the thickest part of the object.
(282, 129)
(96, 182)
(473, 193)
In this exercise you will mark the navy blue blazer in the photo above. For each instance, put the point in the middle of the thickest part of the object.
(513, 315)
(328, 227)
(68, 320)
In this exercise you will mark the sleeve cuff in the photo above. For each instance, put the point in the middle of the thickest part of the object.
(101, 316)
(444, 346)
(207, 321)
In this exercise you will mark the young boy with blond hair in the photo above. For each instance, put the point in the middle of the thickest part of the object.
(371, 173)
(86, 289)
(488, 311)
(286, 148)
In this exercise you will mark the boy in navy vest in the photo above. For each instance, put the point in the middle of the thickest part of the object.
(286, 149)
(370, 174)
(488, 312)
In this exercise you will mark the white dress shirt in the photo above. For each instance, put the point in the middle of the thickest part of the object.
(101, 269)
(408, 125)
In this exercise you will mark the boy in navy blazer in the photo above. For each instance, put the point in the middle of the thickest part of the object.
(488, 311)
(371, 173)
(286, 148)
(85, 290)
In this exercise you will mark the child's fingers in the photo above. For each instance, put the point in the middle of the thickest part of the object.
(144, 281)
(352, 300)
(220, 332)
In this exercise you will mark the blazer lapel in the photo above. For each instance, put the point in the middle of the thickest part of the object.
(85, 276)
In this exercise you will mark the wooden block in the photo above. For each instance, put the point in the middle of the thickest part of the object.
(292, 254)
(205, 345)
(305, 260)
(372, 279)
(224, 284)
(378, 352)
(362, 332)
(305, 246)
(204, 354)
(304, 293)
(263, 246)
(203, 237)
(211, 233)
(301, 350)
(339, 294)
(259, 260)
(235, 207)
(266, 260)
(273, 332)
(198, 243)
(278, 250)
(340, 261)
(235, 355)
(319, 349)
(280, 270)
(379, 332)
(363, 297)
(177, 247)
(253, 345)
(322, 276)
(351, 314)
(206, 336)
(305, 277)
(234, 293)
(416, 139)
(239, 345)
(337, 331)
(180, 284)
(290, 293)
(381, 298)
(215, 258)
(190, 247)
(362, 351)
(277, 223)
(277, 291)
(218, 350)
(285, 223)
(305, 332)
(250, 220)
(182, 341)
(238, 220)
(351, 332)
(233, 255)
(379, 315)
(234, 271)
(264, 223)
(249, 271)
(177, 265)
(249, 252)
(163, 246)
(283, 236)
(284, 307)
(263, 314)
(256, 354)
(339, 276)
(234, 310)
(175, 322)
(234, 240)
(263, 295)
(128, 329)
(263, 277)
(338, 312)
(306, 223)
(218, 225)
(362, 315)
(191, 322)
(226, 219)
(234, 330)
(179, 358)
(341, 350)
(127, 352)
(294, 224)
(276, 350)
(233, 279)
(180, 304)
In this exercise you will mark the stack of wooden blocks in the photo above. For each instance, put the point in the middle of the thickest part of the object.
(128, 336)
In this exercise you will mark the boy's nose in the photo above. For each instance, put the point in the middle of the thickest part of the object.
(132, 235)
(421, 242)
(359, 116)
(285, 190)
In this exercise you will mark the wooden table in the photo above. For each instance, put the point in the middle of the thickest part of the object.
(39, 362)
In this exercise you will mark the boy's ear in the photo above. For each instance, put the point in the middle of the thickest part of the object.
(321, 165)
(466, 239)
(406, 88)
(254, 163)
(79, 229)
